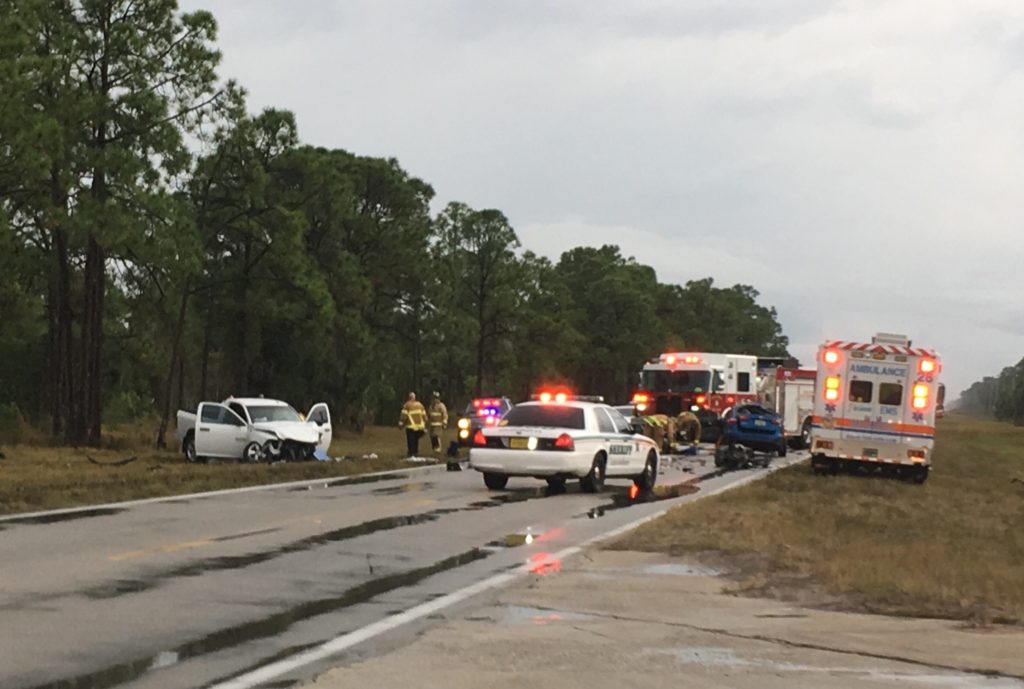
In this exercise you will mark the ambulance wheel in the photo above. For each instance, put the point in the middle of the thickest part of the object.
(495, 481)
(819, 465)
(920, 475)
(594, 481)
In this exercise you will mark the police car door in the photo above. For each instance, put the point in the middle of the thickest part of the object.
(619, 450)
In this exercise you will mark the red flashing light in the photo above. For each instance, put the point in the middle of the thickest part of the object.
(479, 439)
(926, 366)
(565, 442)
(831, 357)
(634, 491)
(545, 397)
(490, 421)
(561, 398)
(640, 398)
(701, 399)
(670, 360)
(691, 360)
(731, 400)
(477, 403)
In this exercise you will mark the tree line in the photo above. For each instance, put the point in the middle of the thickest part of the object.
(160, 244)
(1001, 397)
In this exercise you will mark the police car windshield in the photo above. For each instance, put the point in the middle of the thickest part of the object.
(545, 415)
(675, 381)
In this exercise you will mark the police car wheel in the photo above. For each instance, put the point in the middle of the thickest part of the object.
(594, 481)
(556, 485)
(647, 479)
(495, 481)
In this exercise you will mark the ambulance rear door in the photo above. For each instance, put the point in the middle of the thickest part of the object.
(875, 403)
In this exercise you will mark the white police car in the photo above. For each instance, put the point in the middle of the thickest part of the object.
(558, 437)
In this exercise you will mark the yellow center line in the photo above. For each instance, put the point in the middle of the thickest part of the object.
(171, 548)
(198, 543)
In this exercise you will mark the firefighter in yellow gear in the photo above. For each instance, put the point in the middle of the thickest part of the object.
(437, 419)
(688, 428)
(660, 428)
(414, 420)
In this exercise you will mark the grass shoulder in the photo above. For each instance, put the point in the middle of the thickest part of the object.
(40, 477)
(952, 548)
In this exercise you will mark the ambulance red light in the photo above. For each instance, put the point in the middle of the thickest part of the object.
(831, 356)
(926, 366)
(565, 442)
(479, 439)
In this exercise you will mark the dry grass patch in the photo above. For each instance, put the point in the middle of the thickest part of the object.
(34, 477)
(953, 547)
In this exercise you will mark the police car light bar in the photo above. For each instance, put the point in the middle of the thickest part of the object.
(562, 397)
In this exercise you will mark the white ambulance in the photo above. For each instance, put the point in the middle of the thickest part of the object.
(875, 405)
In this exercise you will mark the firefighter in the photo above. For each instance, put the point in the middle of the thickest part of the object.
(414, 420)
(688, 428)
(658, 427)
(437, 418)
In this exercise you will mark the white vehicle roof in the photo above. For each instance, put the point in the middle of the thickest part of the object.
(257, 401)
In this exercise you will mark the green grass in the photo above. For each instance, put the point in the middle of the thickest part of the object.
(40, 477)
(951, 548)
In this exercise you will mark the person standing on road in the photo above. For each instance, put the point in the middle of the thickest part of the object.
(414, 420)
(437, 417)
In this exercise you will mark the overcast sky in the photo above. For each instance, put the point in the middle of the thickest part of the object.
(859, 163)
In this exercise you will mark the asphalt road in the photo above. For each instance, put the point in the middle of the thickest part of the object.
(191, 592)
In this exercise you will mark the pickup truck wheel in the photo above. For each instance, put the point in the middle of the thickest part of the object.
(253, 453)
(188, 446)
(495, 481)
(594, 481)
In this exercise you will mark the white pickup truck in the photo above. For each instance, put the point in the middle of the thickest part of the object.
(253, 429)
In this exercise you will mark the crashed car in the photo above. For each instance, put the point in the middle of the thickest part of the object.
(253, 430)
(749, 428)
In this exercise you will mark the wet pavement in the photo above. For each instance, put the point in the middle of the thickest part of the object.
(187, 593)
(607, 620)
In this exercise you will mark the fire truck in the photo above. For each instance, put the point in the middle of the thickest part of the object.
(789, 392)
(875, 406)
(704, 383)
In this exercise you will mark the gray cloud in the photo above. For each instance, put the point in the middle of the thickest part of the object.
(857, 162)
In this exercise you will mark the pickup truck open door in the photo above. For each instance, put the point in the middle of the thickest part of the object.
(320, 415)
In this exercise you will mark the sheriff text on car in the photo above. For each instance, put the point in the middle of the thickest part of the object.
(558, 437)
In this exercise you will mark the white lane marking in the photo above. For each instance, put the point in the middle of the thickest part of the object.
(344, 642)
(214, 493)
